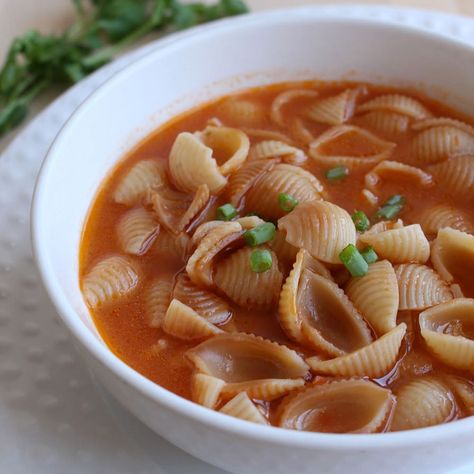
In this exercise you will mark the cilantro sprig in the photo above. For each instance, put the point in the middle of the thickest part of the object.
(103, 28)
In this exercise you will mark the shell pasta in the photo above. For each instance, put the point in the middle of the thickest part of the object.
(297, 255)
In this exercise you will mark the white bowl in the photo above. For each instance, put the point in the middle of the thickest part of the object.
(188, 69)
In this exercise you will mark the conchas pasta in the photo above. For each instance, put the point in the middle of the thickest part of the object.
(422, 402)
(453, 258)
(400, 104)
(356, 406)
(206, 390)
(263, 369)
(420, 287)
(375, 295)
(334, 110)
(297, 255)
(320, 227)
(142, 177)
(389, 124)
(274, 149)
(206, 303)
(277, 110)
(373, 360)
(183, 322)
(448, 330)
(438, 217)
(136, 231)
(263, 198)
(109, 280)
(234, 277)
(242, 407)
(439, 143)
(157, 300)
(407, 244)
(336, 146)
(456, 176)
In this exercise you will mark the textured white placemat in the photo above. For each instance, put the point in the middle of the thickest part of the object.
(53, 418)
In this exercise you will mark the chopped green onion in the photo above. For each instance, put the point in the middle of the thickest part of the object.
(337, 173)
(361, 221)
(287, 202)
(369, 254)
(260, 234)
(354, 261)
(226, 212)
(396, 199)
(260, 261)
(392, 206)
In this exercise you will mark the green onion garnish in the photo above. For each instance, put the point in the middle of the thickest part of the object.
(361, 221)
(260, 261)
(260, 234)
(396, 199)
(226, 212)
(287, 202)
(392, 206)
(337, 173)
(354, 261)
(369, 255)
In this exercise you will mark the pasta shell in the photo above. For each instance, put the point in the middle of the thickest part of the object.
(111, 278)
(204, 229)
(285, 251)
(441, 216)
(192, 164)
(281, 100)
(300, 131)
(375, 295)
(136, 231)
(464, 391)
(395, 171)
(334, 148)
(263, 369)
(206, 390)
(315, 312)
(207, 304)
(168, 245)
(230, 147)
(336, 109)
(200, 264)
(382, 226)
(142, 177)
(287, 179)
(177, 212)
(250, 222)
(404, 245)
(242, 407)
(420, 287)
(374, 360)
(439, 143)
(442, 122)
(448, 330)
(235, 278)
(422, 402)
(241, 181)
(456, 176)
(400, 104)
(158, 299)
(264, 134)
(276, 149)
(183, 322)
(242, 111)
(453, 258)
(320, 227)
(390, 124)
(344, 406)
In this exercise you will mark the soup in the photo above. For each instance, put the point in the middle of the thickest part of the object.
(298, 255)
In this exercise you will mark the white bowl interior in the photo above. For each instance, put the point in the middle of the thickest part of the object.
(206, 64)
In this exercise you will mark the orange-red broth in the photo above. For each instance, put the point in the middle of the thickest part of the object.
(123, 325)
